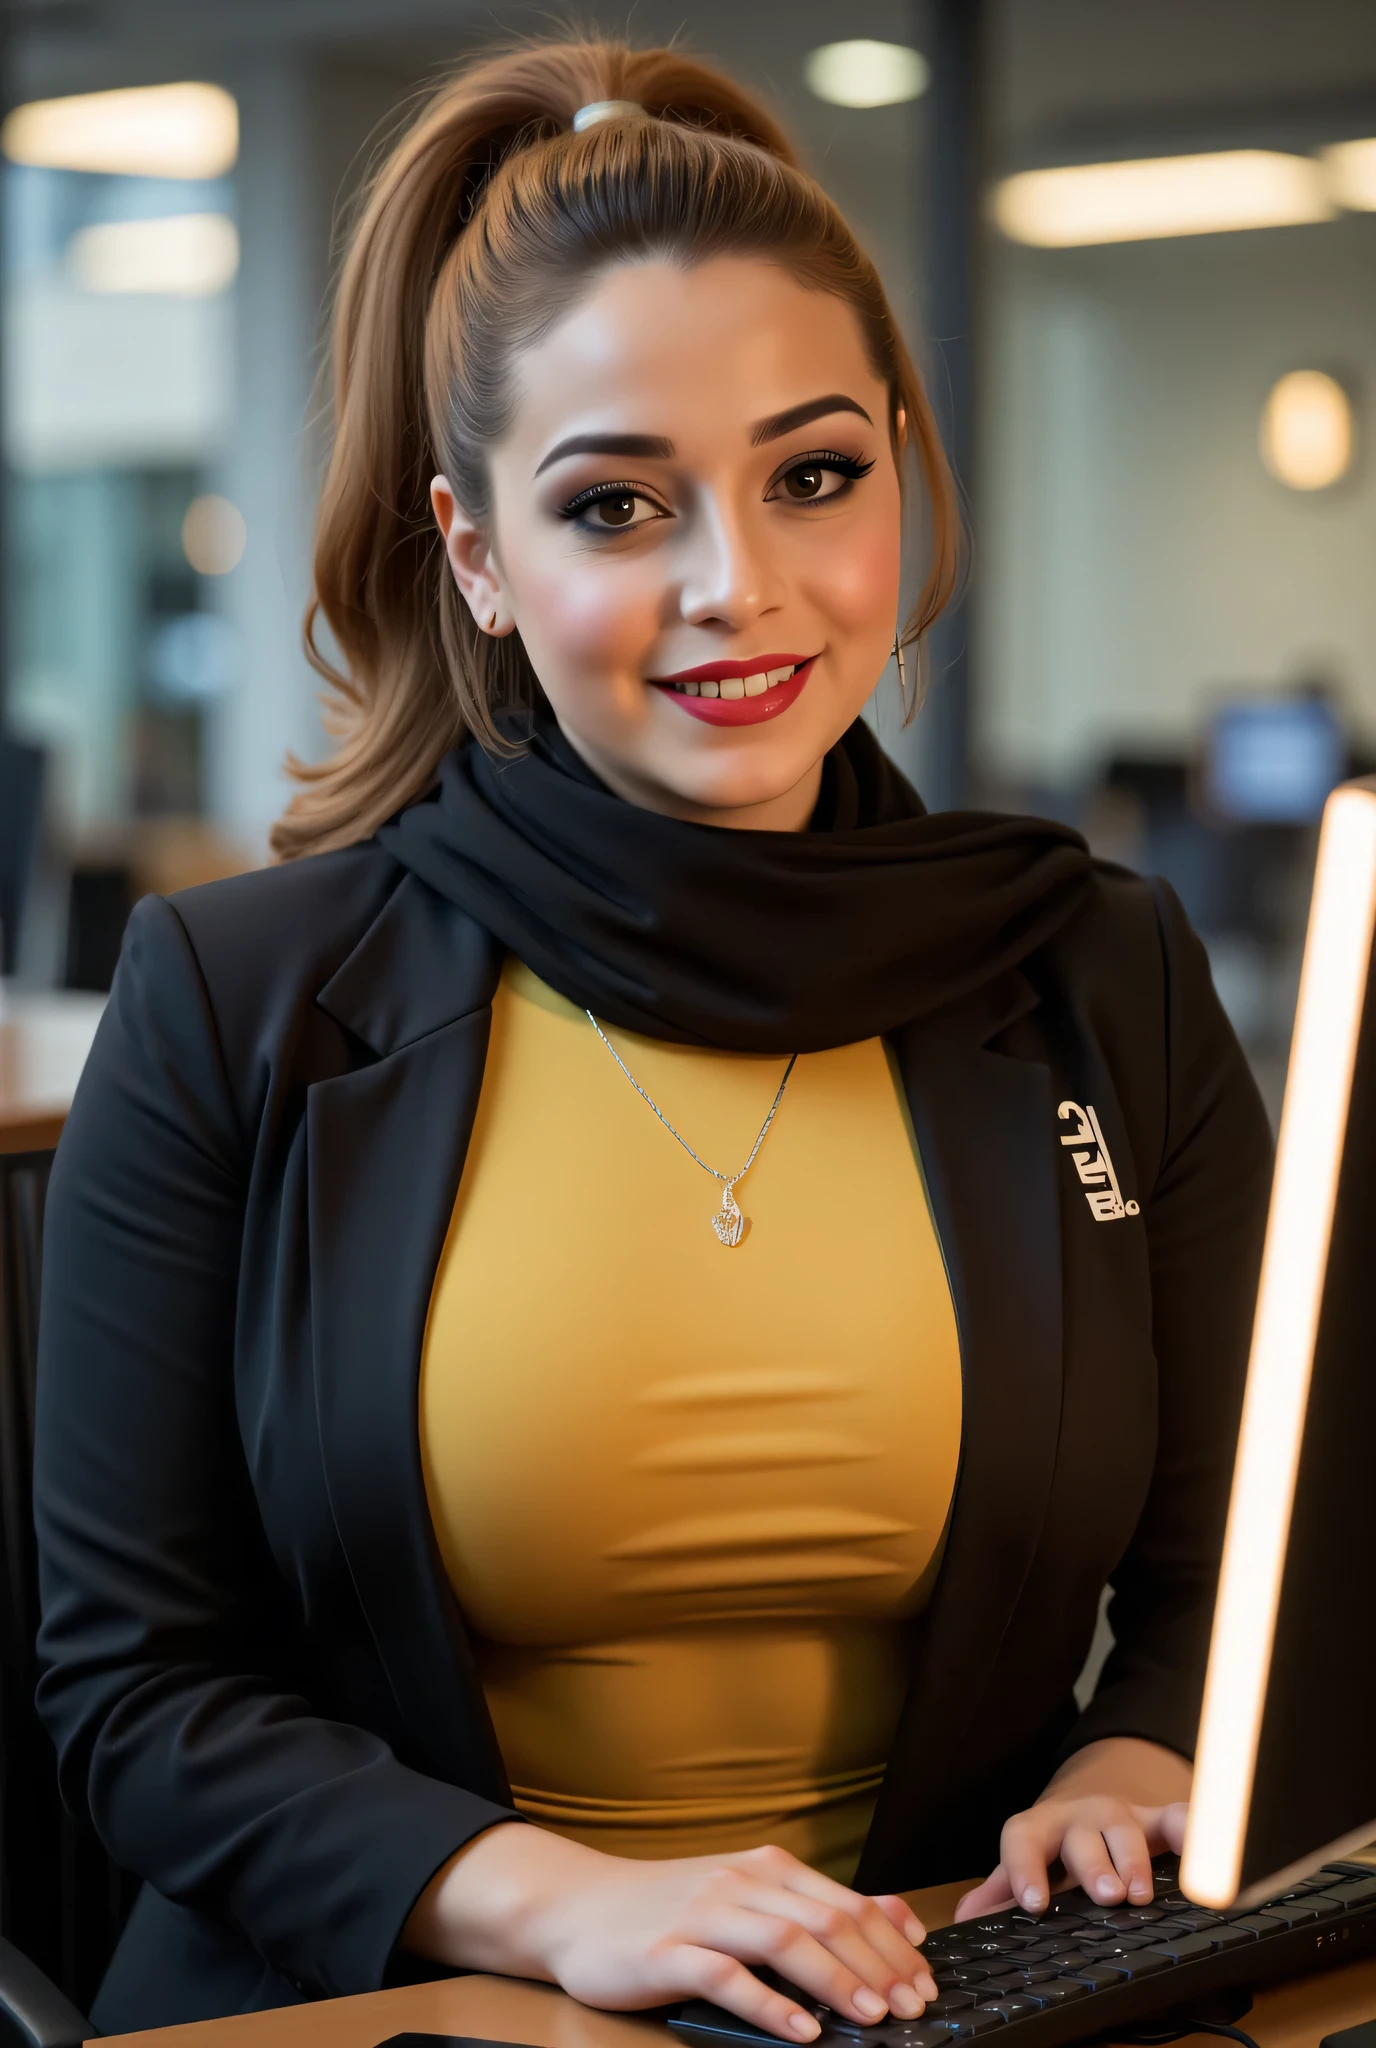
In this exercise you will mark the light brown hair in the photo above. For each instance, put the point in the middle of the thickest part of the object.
(487, 223)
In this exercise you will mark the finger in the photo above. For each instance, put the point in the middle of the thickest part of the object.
(1172, 1824)
(900, 1914)
(1127, 1845)
(990, 1897)
(1030, 1842)
(779, 1940)
(707, 1973)
(893, 1969)
(776, 1868)
(1085, 1855)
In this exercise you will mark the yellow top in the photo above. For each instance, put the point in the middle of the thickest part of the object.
(689, 1496)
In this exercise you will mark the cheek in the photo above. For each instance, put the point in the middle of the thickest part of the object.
(855, 575)
(582, 617)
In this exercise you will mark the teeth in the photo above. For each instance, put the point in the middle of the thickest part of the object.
(708, 689)
(778, 675)
(732, 686)
(690, 689)
(755, 686)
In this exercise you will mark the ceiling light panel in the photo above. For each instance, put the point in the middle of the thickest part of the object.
(1352, 174)
(867, 74)
(185, 256)
(148, 131)
(1076, 205)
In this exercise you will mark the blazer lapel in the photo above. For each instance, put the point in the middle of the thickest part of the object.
(385, 1149)
(985, 1126)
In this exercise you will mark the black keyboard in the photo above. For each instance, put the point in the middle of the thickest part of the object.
(1080, 1967)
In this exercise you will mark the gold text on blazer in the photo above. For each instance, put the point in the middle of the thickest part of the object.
(1093, 1164)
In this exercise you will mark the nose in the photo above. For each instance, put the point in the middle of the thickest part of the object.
(729, 576)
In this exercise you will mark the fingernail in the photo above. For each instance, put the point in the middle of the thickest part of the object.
(1034, 1898)
(904, 2002)
(926, 1987)
(914, 1931)
(870, 2004)
(1141, 1890)
(803, 2025)
(1107, 1887)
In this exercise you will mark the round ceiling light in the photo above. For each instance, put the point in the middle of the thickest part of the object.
(867, 74)
(1306, 433)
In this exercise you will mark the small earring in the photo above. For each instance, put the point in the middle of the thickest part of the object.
(902, 673)
(492, 620)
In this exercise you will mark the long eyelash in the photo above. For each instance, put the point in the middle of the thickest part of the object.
(596, 492)
(829, 458)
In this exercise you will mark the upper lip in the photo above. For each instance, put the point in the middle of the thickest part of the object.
(717, 671)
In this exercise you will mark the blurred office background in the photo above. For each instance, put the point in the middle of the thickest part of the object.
(1136, 245)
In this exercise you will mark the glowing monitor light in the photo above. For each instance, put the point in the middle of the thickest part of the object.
(1333, 986)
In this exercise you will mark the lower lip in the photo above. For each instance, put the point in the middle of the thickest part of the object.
(743, 710)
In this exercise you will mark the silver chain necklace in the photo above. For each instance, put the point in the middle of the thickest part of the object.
(728, 1222)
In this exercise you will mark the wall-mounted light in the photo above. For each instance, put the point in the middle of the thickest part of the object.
(1352, 171)
(867, 74)
(149, 131)
(1077, 204)
(213, 535)
(1306, 435)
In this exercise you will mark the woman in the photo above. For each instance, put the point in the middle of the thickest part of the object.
(486, 1524)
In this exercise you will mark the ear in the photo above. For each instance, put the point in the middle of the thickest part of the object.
(469, 549)
(900, 427)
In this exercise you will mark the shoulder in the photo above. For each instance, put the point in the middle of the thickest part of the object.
(239, 963)
(277, 929)
(1129, 949)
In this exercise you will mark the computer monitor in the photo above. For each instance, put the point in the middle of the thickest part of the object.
(1273, 760)
(1285, 1770)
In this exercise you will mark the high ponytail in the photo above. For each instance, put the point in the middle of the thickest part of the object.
(482, 227)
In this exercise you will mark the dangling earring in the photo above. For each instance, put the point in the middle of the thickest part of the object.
(902, 673)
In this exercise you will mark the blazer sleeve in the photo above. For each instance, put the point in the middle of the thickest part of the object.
(224, 1791)
(1205, 1220)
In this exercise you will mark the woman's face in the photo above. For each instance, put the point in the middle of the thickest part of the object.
(695, 530)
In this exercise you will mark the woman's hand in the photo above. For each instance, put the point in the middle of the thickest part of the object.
(621, 1934)
(1105, 1814)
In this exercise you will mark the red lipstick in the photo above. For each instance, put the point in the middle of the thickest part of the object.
(739, 692)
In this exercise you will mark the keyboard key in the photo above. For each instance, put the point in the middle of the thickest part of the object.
(1352, 1891)
(1195, 1917)
(1255, 1924)
(1014, 2008)
(923, 2033)
(1055, 1944)
(1297, 1912)
(966, 1973)
(947, 2002)
(1185, 1947)
(1101, 1975)
(1146, 1962)
(978, 2022)
(1136, 1916)
(1118, 1944)
(1062, 1991)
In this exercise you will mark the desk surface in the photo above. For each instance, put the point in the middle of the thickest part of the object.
(44, 1040)
(496, 2009)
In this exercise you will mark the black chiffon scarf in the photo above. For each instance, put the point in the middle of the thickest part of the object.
(878, 915)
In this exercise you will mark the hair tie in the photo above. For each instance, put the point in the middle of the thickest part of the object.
(604, 110)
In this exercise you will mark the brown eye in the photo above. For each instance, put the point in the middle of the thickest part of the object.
(618, 511)
(805, 482)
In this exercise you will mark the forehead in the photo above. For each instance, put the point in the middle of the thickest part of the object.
(689, 352)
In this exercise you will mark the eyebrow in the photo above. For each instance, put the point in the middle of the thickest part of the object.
(658, 448)
(654, 447)
(781, 423)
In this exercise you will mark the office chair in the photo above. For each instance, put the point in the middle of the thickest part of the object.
(61, 1900)
(21, 812)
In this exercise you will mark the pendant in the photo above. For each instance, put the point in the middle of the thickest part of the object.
(728, 1221)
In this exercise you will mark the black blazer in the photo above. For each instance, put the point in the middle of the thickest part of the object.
(255, 1671)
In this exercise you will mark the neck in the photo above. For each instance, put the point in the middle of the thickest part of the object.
(790, 811)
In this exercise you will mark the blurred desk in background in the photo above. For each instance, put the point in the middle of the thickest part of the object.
(44, 1040)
